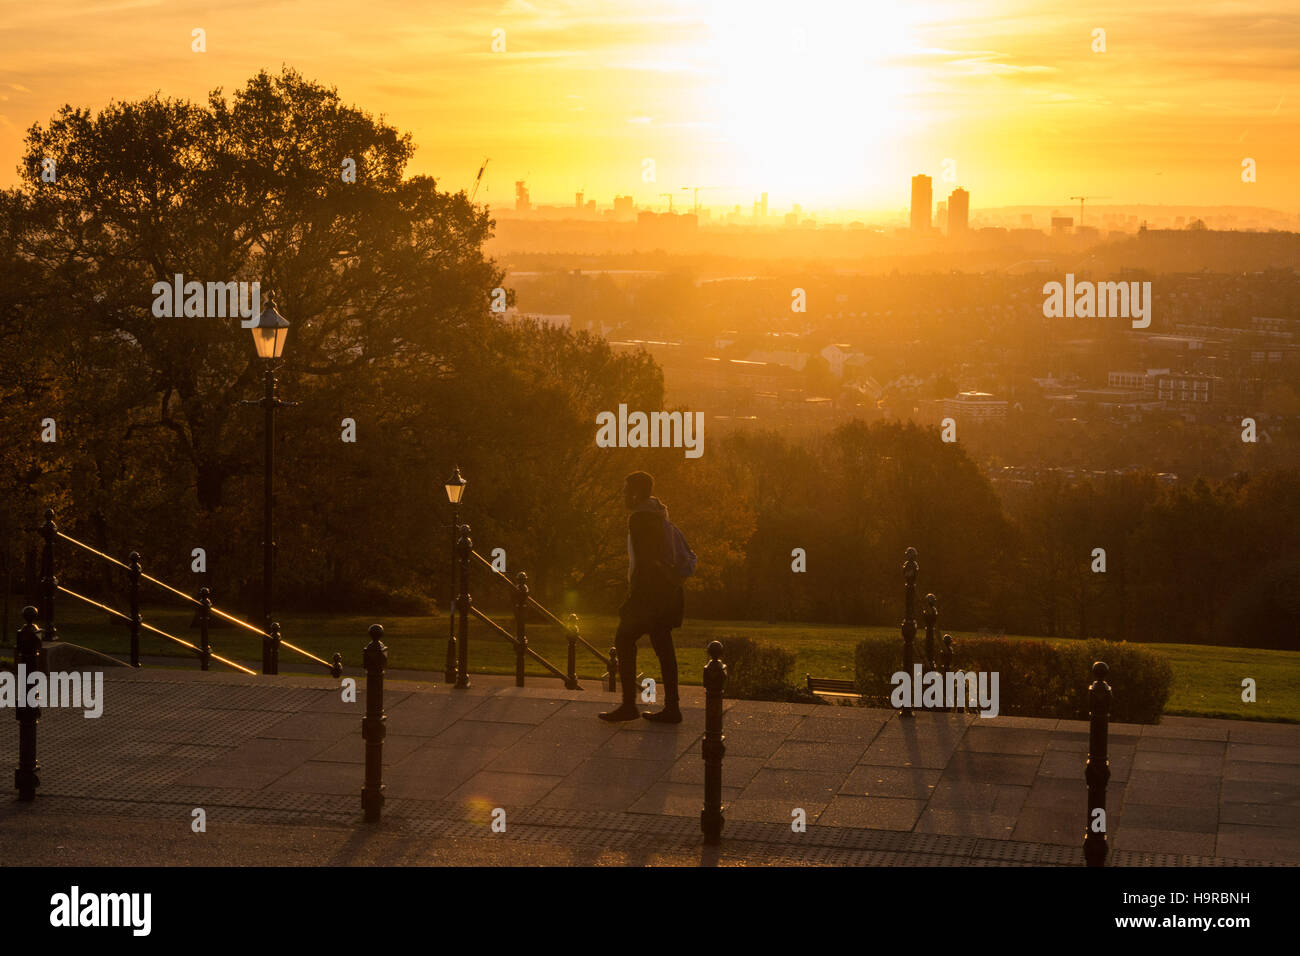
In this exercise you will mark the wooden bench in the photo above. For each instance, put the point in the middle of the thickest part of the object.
(831, 687)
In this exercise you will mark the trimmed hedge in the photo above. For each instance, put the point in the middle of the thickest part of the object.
(1039, 678)
(759, 671)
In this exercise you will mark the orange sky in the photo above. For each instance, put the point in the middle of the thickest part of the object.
(830, 104)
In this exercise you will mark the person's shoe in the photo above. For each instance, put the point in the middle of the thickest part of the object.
(671, 714)
(626, 712)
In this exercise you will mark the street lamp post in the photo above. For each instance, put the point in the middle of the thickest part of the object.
(455, 486)
(270, 329)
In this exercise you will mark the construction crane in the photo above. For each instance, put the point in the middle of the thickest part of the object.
(696, 208)
(479, 178)
(1081, 199)
(670, 202)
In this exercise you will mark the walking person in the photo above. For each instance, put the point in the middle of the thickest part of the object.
(659, 561)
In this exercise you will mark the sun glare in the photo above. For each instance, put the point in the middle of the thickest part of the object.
(808, 96)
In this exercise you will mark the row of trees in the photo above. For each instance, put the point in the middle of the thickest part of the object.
(1122, 557)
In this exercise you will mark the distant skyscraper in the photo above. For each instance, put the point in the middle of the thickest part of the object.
(577, 200)
(958, 212)
(521, 197)
(922, 196)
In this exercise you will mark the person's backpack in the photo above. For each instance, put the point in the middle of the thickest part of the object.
(681, 559)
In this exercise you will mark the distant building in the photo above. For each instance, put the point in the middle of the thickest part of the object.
(1287, 328)
(624, 208)
(1186, 389)
(1144, 381)
(958, 212)
(1062, 225)
(839, 358)
(941, 216)
(521, 197)
(975, 408)
(922, 199)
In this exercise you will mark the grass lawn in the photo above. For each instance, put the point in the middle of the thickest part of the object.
(1207, 679)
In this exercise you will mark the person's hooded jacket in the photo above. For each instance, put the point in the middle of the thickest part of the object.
(655, 596)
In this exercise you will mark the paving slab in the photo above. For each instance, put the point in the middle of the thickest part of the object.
(961, 794)
(967, 823)
(1251, 732)
(1162, 841)
(679, 799)
(1016, 769)
(1184, 819)
(1244, 842)
(868, 780)
(983, 738)
(494, 789)
(840, 755)
(1178, 762)
(1051, 824)
(1261, 753)
(877, 813)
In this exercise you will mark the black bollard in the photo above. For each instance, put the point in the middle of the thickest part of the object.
(336, 665)
(571, 672)
(613, 670)
(464, 546)
(273, 644)
(910, 569)
(1097, 772)
(715, 679)
(521, 636)
(930, 615)
(373, 730)
(449, 670)
(27, 652)
(947, 666)
(49, 585)
(205, 643)
(133, 575)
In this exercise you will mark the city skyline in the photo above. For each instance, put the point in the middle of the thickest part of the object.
(829, 107)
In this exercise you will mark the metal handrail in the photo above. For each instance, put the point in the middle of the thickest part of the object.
(150, 627)
(181, 594)
(533, 603)
(511, 638)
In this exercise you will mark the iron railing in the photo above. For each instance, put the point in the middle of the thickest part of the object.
(272, 641)
(457, 670)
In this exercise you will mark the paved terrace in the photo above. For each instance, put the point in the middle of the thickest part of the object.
(276, 765)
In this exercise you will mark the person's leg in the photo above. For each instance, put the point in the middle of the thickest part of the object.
(625, 644)
(661, 639)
